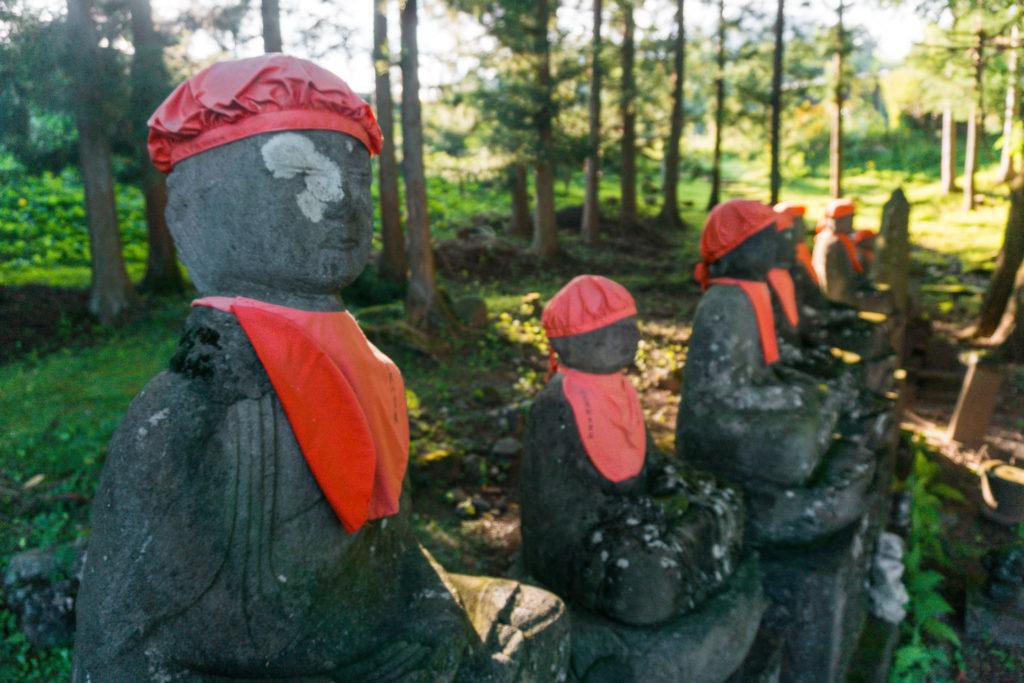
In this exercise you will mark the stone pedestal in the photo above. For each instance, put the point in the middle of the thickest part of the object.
(977, 403)
(703, 646)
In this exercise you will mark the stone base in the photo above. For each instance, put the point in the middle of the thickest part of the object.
(873, 658)
(763, 663)
(992, 621)
(819, 604)
(703, 646)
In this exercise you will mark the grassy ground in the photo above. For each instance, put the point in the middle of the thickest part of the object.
(60, 408)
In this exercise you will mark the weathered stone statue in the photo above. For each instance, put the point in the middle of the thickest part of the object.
(647, 555)
(841, 272)
(252, 520)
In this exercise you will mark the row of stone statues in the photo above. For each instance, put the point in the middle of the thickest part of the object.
(253, 516)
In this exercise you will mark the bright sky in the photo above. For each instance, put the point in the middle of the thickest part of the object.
(446, 41)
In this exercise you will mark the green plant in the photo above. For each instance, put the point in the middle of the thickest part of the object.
(926, 639)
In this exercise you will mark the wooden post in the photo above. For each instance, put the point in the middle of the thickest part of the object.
(977, 403)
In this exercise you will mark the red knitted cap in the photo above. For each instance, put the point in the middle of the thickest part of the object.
(731, 223)
(587, 303)
(791, 209)
(238, 99)
(863, 236)
(837, 208)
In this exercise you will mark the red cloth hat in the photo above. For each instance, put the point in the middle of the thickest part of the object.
(862, 236)
(587, 303)
(729, 225)
(837, 208)
(237, 99)
(791, 209)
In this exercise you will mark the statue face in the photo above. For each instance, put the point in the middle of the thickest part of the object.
(843, 225)
(752, 259)
(602, 351)
(784, 244)
(278, 212)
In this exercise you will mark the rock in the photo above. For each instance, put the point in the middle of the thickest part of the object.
(507, 447)
(41, 587)
(471, 310)
(704, 646)
(888, 595)
(989, 621)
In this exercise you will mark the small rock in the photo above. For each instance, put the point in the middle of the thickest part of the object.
(41, 586)
(472, 310)
(507, 447)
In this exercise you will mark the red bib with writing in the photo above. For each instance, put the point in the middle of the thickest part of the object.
(344, 399)
(610, 421)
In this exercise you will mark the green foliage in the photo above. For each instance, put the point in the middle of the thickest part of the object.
(926, 640)
(42, 222)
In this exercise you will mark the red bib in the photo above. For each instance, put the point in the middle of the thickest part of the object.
(849, 246)
(610, 421)
(803, 255)
(761, 300)
(344, 399)
(782, 284)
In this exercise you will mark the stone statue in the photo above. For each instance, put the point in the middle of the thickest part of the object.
(614, 528)
(841, 273)
(252, 520)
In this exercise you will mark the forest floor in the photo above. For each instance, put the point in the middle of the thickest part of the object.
(65, 382)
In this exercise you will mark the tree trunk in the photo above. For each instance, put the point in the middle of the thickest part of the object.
(716, 158)
(975, 126)
(627, 105)
(545, 239)
(1008, 263)
(271, 12)
(522, 223)
(669, 216)
(836, 139)
(1010, 115)
(1012, 328)
(111, 291)
(591, 221)
(948, 162)
(393, 264)
(150, 84)
(422, 300)
(775, 181)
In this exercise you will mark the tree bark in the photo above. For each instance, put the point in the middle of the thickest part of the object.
(271, 13)
(836, 139)
(627, 106)
(545, 239)
(716, 158)
(948, 163)
(393, 264)
(1008, 263)
(669, 216)
(975, 125)
(1012, 328)
(591, 221)
(111, 291)
(522, 223)
(1006, 169)
(150, 84)
(775, 181)
(422, 299)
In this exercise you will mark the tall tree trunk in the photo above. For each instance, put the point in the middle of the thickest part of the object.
(716, 158)
(591, 221)
(545, 239)
(836, 139)
(522, 223)
(150, 84)
(1012, 328)
(270, 10)
(669, 216)
(1010, 114)
(111, 291)
(775, 181)
(975, 125)
(1008, 263)
(393, 264)
(422, 300)
(948, 163)
(627, 105)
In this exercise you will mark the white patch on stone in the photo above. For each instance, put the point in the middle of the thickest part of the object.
(282, 578)
(597, 537)
(622, 563)
(158, 417)
(287, 155)
(604, 555)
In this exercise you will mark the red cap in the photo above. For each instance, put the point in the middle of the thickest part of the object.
(241, 98)
(792, 209)
(837, 208)
(587, 303)
(729, 225)
(863, 236)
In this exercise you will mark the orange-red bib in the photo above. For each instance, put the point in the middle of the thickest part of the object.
(803, 255)
(610, 421)
(761, 301)
(344, 399)
(849, 246)
(782, 284)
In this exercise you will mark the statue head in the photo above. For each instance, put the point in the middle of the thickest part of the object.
(791, 236)
(269, 185)
(591, 325)
(839, 216)
(740, 240)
